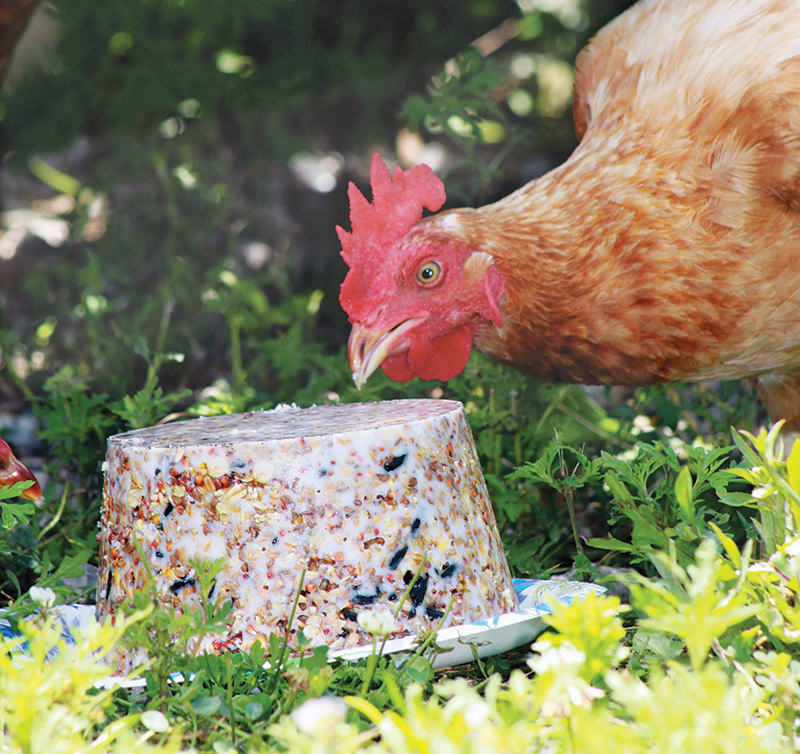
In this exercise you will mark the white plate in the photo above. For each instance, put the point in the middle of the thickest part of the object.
(491, 636)
(487, 637)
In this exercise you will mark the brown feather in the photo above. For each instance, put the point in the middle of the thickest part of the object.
(667, 246)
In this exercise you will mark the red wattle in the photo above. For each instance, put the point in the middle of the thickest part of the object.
(397, 368)
(441, 358)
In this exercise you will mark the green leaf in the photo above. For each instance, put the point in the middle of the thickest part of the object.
(233, 63)
(156, 721)
(253, 710)
(728, 544)
(683, 494)
(419, 670)
(612, 544)
(207, 705)
(736, 499)
(301, 639)
(530, 26)
(12, 514)
(618, 490)
(793, 467)
(257, 654)
(15, 490)
(656, 642)
(56, 179)
(12, 577)
(694, 603)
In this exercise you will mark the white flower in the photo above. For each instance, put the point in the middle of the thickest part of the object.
(792, 547)
(557, 674)
(377, 622)
(319, 717)
(474, 710)
(641, 424)
(43, 597)
(551, 658)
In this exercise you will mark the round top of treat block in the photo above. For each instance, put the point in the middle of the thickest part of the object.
(287, 422)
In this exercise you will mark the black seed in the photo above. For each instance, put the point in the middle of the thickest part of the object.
(176, 586)
(349, 614)
(159, 554)
(433, 613)
(417, 592)
(158, 471)
(448, 569)
(344, 633)
(407, 576)
(322, 472)
(108, 582)
(394, 463)
(412, 612)
(168, 509)
(274, 540)
(392, 597)
(238, 464)
(415, 525)
(397, 557)
(364, 599)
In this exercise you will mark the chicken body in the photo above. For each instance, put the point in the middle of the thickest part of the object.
(667, 247)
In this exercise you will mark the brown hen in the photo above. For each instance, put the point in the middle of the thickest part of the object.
(667, 247)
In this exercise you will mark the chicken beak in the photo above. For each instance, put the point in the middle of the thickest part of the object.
(366, 348)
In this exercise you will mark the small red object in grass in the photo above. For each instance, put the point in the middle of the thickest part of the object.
(12, 471)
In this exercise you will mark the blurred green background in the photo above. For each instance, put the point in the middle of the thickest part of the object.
(173, 170)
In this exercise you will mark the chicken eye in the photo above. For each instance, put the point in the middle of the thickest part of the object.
(429, 273)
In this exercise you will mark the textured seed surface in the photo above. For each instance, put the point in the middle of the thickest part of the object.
(362, 496)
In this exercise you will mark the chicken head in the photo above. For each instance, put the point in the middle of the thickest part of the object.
(416, 298)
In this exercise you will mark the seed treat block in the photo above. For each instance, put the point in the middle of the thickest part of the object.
(362, 496)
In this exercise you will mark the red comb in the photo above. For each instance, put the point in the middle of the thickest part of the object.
(397, 204)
